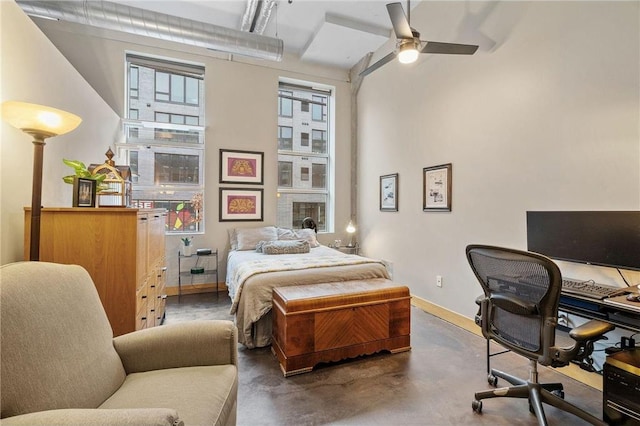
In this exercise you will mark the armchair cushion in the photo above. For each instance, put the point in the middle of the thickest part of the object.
(199, 394)
(93, 417)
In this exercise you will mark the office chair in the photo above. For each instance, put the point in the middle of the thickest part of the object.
(309, 223)
(519, 311)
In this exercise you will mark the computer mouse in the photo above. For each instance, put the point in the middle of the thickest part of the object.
(633, 297)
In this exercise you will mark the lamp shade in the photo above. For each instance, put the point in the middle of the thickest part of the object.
(39, 119)
(408, 52)
(351, 228)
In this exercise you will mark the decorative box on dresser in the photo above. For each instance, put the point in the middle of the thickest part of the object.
(123, 251)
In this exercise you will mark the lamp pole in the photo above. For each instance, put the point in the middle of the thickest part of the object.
(36, 192)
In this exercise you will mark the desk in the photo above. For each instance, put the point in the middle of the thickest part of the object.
(618, 315)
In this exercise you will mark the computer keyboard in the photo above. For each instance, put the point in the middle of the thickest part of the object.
(590, 289)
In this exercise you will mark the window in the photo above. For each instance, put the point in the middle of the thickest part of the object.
(176, 88)
(176, 168)
(165, 145)
(319, 141)
(133, 82)
(314, 210)
(285, 138)
(319, 108)
(285, 104)
(319, 176)
(285, 171)
(304, 173)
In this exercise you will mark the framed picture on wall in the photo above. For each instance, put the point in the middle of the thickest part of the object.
(84, 192)
(241, 205)
(241, 167)
(389, 193)
(436, 183)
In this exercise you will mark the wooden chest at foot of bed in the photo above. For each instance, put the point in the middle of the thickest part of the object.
(334, 321)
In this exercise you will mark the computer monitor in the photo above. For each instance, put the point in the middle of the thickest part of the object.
(603, 238)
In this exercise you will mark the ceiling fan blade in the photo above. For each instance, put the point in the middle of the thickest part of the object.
(378, 64)
(399, 21)
(449, 48)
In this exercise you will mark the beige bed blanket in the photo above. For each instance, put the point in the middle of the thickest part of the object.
(252, 282)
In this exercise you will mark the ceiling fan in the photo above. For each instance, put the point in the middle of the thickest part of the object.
(409, 45)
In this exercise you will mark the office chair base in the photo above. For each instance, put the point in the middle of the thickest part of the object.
(537, 394)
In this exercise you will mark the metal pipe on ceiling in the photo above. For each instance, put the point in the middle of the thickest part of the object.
(133, 20)
(263, 18)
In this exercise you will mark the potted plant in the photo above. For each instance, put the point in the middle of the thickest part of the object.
(187, 248)
(81, 171)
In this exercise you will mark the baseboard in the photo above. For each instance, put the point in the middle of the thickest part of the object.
(591, 379)
(196, 288)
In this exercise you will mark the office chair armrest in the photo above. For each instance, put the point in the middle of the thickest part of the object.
(590, 330)
(513, 305)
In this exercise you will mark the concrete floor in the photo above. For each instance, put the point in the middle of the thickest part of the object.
(433, 384)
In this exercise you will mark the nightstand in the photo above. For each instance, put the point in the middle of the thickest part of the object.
(201, 263)
(348, 250)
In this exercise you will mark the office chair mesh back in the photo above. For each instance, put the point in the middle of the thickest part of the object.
(528, 277)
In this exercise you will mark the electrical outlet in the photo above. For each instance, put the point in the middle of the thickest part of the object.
(439, 280)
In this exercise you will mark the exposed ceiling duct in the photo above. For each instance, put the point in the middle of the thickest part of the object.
(132, 20)
(256, 15)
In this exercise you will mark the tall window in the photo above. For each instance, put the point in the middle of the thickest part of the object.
(165, 139)
(304, 180)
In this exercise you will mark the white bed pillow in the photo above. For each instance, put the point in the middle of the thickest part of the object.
(309, 235)
(248, 238)
(285, 234)
(233, 238)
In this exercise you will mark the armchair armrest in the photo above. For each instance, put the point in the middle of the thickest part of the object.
(187, 344)
(98, 417)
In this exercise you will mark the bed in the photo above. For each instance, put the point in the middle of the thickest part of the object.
(252, 275)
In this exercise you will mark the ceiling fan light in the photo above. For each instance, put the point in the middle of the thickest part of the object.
(408, 53)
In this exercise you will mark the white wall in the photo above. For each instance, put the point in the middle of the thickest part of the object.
(33, 70)
(548, 119)
(241, 113)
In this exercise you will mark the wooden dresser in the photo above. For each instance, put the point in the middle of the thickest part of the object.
(333, 321)
(123, 249)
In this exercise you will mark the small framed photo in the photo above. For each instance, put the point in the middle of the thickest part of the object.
(241, 204)
(84, 192)
(436, 182)
(389, 193)
(241, 167)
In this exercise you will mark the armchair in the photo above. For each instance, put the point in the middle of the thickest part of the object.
(519, 311)
(60, 364)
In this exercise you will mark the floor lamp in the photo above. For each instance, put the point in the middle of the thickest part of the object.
(40, 122)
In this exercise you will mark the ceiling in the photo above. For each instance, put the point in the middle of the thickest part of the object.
(335, 33)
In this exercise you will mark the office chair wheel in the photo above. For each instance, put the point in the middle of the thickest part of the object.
(477, 406)
(493, 380)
